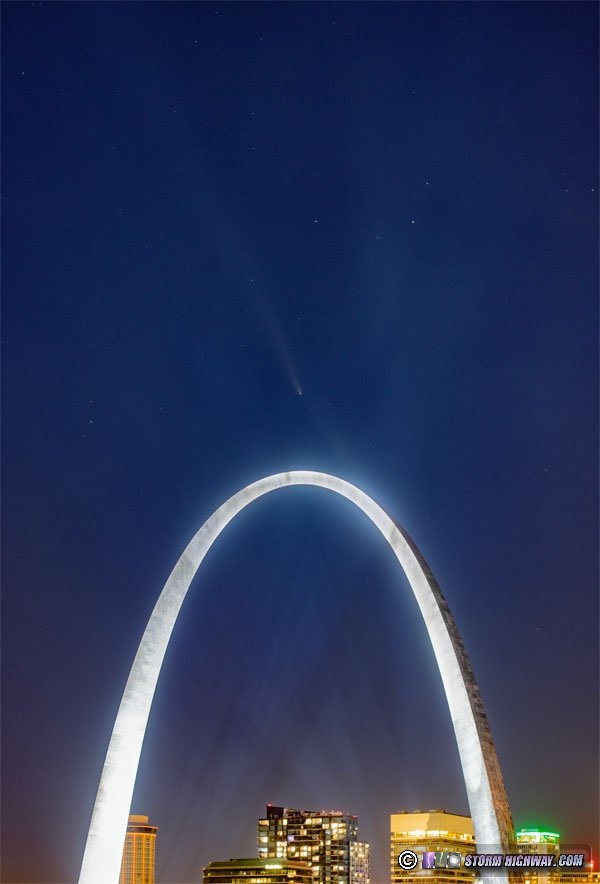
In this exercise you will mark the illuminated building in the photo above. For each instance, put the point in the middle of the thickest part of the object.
(257, 871)
(326, 840)
(540, 841)
(139, 851)
(581, 876)
(360, 872)
(431, 830)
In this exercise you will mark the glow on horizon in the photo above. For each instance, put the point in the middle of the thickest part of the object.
(489, 807)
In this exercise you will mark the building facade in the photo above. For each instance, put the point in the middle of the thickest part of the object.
(257, 871)
(430, 831)
(360, 866)
(139, 852)
(327, 840)
(540, 841)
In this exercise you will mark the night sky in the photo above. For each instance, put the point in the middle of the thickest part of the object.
(245, 238)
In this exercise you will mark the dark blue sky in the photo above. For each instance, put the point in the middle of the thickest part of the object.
(207, 209)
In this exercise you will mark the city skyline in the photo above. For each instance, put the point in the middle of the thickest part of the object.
(355, 238)
(311, 844)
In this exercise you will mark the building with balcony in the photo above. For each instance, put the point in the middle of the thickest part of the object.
(327, 840)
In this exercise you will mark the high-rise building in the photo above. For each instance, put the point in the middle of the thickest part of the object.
(139, 851)
(360, 872)
(257, 871)
(325, 839)
(537, 841)
(540, 841)
(431, 831)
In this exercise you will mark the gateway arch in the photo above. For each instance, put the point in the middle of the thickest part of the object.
(483, 780)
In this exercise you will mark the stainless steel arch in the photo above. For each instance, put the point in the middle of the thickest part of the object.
(483, 780)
